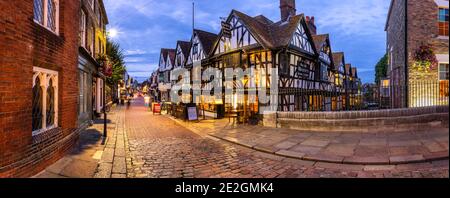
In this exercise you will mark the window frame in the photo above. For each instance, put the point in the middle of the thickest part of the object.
(83, 29)
(445, 21)
(439, 70)
(44, 22)
(45, 75)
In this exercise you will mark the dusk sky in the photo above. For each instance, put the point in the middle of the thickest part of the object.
(144, 27)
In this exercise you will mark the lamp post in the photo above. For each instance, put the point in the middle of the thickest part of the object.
(105, 124)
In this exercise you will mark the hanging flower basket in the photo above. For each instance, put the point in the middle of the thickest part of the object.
(105, 65)
(425, 59)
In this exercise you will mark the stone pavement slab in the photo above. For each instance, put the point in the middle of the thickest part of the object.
(385, 148)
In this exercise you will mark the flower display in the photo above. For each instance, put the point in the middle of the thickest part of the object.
(424, 59)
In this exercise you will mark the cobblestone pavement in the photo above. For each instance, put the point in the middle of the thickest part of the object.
(158, 147)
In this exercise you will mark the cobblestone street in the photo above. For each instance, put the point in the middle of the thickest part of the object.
(160, 148)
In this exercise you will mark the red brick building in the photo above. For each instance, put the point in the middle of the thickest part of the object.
(412, 24)
(38, 83)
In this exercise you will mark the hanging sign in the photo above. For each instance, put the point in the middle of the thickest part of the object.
(226, 29)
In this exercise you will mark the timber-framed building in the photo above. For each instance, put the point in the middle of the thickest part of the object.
(310, 76)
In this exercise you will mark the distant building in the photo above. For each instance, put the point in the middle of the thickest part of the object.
(412, 24)
(92, 39)
(166, 63)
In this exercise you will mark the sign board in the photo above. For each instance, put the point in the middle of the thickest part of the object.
(156, 108)
(226, 28)
(192, 113)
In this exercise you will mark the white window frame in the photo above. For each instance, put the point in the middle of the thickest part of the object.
(83, 28)
(92, 4)
(45, 76)
(45, 17)
(439, 71)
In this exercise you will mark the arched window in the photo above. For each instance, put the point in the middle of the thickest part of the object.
(37, 104)
(44, 100)
(50, 104)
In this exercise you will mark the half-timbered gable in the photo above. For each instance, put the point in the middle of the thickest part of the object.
(323, 46)
(202, 43)
(163, 59)
(339, 68)
(240, 36)
(182, 52)
(302, 39)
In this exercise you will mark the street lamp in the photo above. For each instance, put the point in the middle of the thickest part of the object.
(105, 124)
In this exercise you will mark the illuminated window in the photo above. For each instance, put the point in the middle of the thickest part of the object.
(443, 21)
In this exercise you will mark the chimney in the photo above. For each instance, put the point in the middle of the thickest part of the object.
(311, 25)
(287, 9)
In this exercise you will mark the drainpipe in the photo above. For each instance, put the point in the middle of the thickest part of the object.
(406, 56)
(105, 127)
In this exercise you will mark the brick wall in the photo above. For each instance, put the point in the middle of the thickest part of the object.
(423, 29)
(396, 48)
(25, 44)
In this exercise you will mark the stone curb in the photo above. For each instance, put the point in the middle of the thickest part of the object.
(395, 161)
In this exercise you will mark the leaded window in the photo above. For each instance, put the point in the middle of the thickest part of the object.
(46, 13)
(37, 105)
(39, 11)
(51, 13)
(44, 100)
(50, 104)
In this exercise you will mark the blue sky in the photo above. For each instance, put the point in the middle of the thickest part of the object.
(145, 26)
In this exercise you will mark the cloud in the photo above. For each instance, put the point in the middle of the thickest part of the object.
(135, 52)
(353, 17)
(146, 26)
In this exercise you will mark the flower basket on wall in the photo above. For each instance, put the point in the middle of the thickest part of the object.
(105, 65)
(424, 59)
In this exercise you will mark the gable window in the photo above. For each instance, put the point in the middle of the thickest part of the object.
(195, 49)
(443, 21)
(44, 100)
(46, 13)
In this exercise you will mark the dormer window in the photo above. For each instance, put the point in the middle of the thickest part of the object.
(195, 49)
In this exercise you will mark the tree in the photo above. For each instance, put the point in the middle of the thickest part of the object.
(381, 69)
(117, 61)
